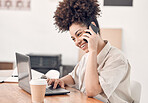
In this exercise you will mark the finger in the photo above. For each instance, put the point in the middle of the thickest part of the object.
(47, 80)
(88, 31)
(51, 81)
(62, 84)
(85, 38)
(86, 35)
(93, 23)
(56, 83)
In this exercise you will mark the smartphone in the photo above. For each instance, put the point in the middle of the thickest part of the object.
(94, 28)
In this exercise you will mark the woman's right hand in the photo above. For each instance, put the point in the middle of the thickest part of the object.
(56, 82)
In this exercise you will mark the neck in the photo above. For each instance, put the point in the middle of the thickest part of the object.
(101, 45)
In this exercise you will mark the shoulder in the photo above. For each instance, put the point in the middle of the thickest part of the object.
(116, 53)
(116, 60)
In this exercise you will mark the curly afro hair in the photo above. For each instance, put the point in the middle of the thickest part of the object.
(76, 11)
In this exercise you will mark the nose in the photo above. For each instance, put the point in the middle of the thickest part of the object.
(77, 42)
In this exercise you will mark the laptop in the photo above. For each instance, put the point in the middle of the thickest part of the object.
(25, 75)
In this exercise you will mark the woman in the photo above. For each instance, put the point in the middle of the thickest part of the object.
(103, 72)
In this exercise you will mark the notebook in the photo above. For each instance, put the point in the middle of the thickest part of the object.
(25, 75)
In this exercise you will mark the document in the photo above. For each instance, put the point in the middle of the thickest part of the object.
(11, 79)
(8, 76)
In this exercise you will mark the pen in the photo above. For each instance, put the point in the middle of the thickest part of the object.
(14, 76)
(1, 81)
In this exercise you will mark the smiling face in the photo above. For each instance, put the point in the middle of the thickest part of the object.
(76, 32)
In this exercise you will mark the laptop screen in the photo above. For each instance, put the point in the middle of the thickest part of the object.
(24, 73)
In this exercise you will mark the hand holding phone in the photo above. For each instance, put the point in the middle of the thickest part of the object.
(94, 28)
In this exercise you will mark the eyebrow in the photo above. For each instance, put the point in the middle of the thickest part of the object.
(72, 37)
(77, 31)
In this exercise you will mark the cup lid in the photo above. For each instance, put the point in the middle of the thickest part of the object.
(38, 82)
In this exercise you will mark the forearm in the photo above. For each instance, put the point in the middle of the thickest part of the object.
(68, 80)
(91, 76)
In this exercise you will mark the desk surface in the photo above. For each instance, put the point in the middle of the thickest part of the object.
(11, 93)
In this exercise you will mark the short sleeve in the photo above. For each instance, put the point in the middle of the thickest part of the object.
(112, 74)
(74, 74)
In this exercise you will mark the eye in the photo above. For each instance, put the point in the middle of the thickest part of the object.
(79, 34)
(73, 39)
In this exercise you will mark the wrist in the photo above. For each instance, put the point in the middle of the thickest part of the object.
(93, 51)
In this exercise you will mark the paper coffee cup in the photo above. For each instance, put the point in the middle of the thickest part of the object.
(38, 88)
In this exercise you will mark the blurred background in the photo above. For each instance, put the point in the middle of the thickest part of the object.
(31, 31)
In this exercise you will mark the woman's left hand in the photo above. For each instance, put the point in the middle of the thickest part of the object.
(92, 39)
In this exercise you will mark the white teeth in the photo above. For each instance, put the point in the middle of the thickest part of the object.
(82, 45)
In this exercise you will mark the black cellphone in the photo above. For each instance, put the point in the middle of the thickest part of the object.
(94, 28)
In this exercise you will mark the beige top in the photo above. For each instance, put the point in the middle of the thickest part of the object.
(114, 75)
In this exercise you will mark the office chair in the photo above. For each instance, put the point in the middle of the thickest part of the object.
(135, 91)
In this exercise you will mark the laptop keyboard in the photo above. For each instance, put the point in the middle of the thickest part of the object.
(48, 90)
(51, 90)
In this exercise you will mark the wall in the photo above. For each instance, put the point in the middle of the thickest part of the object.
(33, 32)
